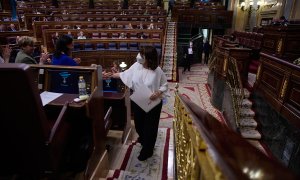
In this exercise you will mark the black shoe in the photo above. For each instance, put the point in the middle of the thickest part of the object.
(144, 155)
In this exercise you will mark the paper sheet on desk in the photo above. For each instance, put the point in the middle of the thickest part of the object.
(141, 97)
(49, 96)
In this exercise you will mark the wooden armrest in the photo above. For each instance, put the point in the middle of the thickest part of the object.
(58, 121)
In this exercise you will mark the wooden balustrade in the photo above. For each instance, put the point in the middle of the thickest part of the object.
(111, 36)
(207, 149)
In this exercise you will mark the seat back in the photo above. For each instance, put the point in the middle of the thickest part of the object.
(23, 125)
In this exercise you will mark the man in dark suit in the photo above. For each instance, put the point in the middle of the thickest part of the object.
(189, 55)
(11, 27)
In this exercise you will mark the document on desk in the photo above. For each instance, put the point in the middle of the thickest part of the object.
(141, 97)
(49, 96)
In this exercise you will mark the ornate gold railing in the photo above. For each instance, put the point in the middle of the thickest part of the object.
(192, 157)
(233, 80)
(207, 149)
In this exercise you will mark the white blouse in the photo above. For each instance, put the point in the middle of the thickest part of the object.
(1, 60)
(137, 74)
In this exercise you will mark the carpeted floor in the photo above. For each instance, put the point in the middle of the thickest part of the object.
(192, 85)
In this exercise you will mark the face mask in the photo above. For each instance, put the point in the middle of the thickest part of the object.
(140, 59)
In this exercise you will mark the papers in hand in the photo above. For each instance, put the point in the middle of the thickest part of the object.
(48, 97)
(141, 97)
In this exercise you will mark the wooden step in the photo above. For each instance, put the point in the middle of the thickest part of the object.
(246, 113)
(246, 93)
(249, 133)
(248, 122)
(246, 103)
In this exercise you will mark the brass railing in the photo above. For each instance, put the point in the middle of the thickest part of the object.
(207, 149)
(192, 158)
(233, 80)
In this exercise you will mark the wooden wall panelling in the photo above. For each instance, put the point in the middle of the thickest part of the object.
(279, 82)
(291, 106)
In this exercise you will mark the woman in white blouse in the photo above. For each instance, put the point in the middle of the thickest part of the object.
(146, 72)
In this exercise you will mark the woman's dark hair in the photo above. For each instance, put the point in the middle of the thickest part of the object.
(151, 56)
(62, 45)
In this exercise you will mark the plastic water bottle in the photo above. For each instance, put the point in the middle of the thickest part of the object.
(82, 87)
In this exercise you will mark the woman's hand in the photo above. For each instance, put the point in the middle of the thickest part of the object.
(44, 58)
(115, 75)
(155, 95)
(77, 60)
(106, 75)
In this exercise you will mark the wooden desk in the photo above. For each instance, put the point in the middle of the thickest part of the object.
(121, 111)
(120, 103)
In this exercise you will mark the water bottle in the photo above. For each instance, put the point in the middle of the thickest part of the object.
(82, 87)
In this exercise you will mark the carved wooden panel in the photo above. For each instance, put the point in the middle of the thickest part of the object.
(208, 19)
(282, 41)
(272, 78)
(279, 82)
(106, 58)
(291, 107)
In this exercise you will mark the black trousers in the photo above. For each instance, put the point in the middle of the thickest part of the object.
(206, 57)
(146, 125)
(187, 65)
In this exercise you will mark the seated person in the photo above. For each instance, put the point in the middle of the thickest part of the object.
(151, 26)
(122, 36)
(115, 68)
(151, 19)
(5, 51)
(70, 34)
(142, 35)
(55, 38)
(63, 48)
(129, 26)
(141, 26)
(11, 27)
(26, 45)
(146, 12)
(81, 36)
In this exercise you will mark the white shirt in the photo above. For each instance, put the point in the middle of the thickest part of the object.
(1, 60)
(137, 74)
(81, 37)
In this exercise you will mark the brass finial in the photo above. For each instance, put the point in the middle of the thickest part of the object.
(176, 87)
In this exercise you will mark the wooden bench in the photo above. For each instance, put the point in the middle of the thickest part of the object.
(31, 18)
(107, 39)
(7, 23)
(22, 11)
(11, 36)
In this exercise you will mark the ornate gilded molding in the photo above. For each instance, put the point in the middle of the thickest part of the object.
(225, 65)
(284, 88)
(258, 72)
(279, 46)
